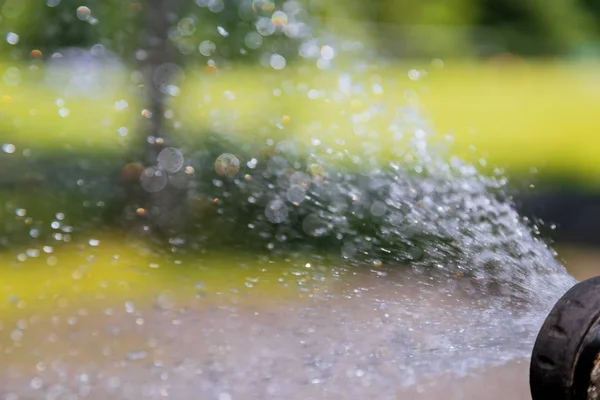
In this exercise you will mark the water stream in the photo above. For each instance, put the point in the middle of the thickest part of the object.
(259, 252)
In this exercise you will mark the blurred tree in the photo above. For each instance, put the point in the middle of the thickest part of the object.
(434, 28)
(532, 27)
(220, 31)
(478, 27)
(53, 24)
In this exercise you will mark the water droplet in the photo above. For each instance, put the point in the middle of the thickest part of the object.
(168, 78)
(129, 307)
(227, 165)
(265, 26)
(120, 105)
(153, 179)
(323, 63)
(252, 163)
(378, 208)
(206, 48)
(327, 52)
(186, 26)
(263, 6)
(377, 89)
(170, 159)
(317, 171)
(216, 6)
(12, 38)
(276, 211)
(296, 194)
(279, 18)
(253, 40)
(8, 148)
(84, 13)
(414, 74)
(222, 31)
(32, 252)
(36, 383)
(277, 61)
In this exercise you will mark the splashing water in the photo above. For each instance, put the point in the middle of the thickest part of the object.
(357, 261)
(396, 199)
(406, 270)
(395, 270)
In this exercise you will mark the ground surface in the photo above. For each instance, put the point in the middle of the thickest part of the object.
(328, 334)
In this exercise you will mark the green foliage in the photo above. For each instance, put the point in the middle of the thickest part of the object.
(53, 24)
(481, 27)
(249, 29)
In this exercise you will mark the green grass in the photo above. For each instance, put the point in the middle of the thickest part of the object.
(118, 268)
